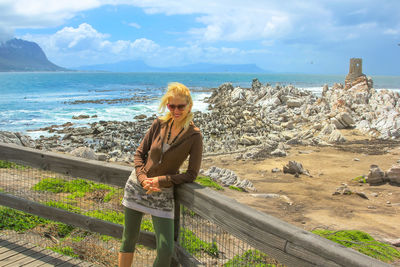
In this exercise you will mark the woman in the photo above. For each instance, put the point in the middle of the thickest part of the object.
(149, 189)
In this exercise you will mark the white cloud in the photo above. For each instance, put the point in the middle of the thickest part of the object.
(218, 28)
(52, 8)
(81, 38)
(134, 25)
(85, 45)
(223, 20)
(392, 31)
(16, 14)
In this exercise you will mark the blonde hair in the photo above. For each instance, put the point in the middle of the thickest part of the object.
(176, 89)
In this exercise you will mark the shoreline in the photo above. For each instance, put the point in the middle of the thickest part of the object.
(262, 120)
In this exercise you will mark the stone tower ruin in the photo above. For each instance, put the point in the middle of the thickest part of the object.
(355, 71)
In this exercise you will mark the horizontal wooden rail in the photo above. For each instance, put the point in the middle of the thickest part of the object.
(288, 244)
(99, 171)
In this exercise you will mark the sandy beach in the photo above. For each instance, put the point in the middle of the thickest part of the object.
(310, 203)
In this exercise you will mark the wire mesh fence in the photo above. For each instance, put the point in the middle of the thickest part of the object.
(72, 194)
(213, 246)
(204, 240)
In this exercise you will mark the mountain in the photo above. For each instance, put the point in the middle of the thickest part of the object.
(21, 55)
(140, 66)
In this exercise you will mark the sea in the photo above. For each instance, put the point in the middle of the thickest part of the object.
(33, 100)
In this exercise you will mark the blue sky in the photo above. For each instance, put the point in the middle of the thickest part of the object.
(314, 36)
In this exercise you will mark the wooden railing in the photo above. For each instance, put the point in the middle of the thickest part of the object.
(286, 243)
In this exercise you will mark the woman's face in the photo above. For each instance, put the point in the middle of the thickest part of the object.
(178, 107)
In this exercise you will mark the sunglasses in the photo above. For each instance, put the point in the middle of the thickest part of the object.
(179, 107)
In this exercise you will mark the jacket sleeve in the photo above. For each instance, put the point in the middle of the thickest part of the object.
(195, 157)
(141, 154)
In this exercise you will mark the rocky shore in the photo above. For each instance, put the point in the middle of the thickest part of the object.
(259, 122)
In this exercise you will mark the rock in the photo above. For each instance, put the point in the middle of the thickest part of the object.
(393, 174)
(256, 85)
(115, 153)
(283, 197)
(336, 137)
(337, 123)
(248, 140)
(67, 136)
(25, 140)
(140, 117)
(325, 89)
(294, 103)
(270, 102)
(343, 190)
(346, 119)
(228, 177)
(275, 170)
(265, 195)
(80, 117)
(16, 138)
(238, 94)
(294, 167)
(327, 130)
(279, 153)
(84, 152)
(362, 194)
(101, 157)
(375, 175)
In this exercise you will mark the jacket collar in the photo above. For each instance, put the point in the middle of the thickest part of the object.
(191, 131)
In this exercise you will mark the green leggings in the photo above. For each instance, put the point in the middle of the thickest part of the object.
(164, 229)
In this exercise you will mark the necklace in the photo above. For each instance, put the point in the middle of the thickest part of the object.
(169, 133)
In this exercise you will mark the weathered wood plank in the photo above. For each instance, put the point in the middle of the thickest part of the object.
(32, 257)
(13, 261)
(99, 171)
(78, 220)
(311, 257)
(57, 259)
(17, 255)
(7, 247)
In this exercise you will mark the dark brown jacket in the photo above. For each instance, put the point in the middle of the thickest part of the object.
(150, 162)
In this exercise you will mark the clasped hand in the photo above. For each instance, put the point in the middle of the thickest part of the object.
(151, 185)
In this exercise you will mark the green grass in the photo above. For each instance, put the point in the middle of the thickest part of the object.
(107, 215)
(194, 245)
(362, 242)
(77, 188)
(63, 230)
(18, 221)
(147, 225)
(64, 206)
(11, 165)
(118, 218)
(208, 182)
(68, 251)
(360, 179)
(253, 258)
(236, 188)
